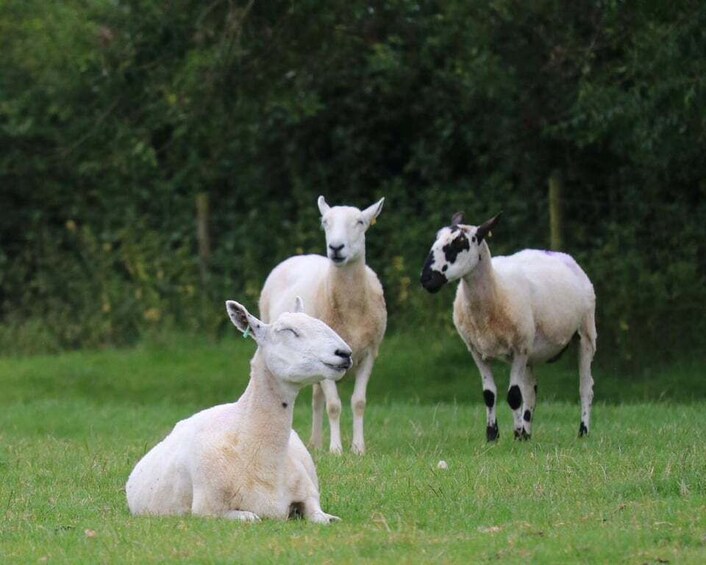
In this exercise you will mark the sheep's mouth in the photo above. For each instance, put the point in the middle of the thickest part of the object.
(339, 366)
(338, 259)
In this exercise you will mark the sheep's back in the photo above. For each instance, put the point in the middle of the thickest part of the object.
(559, 292)
(300, 275)
(162, 481)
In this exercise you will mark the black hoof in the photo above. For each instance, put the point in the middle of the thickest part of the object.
(522, 435)
(583, 430)
(492, 433)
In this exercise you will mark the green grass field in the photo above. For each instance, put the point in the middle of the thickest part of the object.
(72, 427)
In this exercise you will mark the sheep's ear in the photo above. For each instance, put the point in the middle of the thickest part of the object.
(323, 207)
(372, 212)
(244, 320)
(457, 218)
(298, 305)
(484, 229)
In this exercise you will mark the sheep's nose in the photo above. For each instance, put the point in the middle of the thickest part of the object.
(346, 355)
(336, 248)
(432, 280)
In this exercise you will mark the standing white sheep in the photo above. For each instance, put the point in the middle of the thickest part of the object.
(243, 461)
(524, 308)
(347, 295)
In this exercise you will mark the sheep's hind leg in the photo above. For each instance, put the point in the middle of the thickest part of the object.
(587, 349)
(490, 395)
(514, 394)
(333, 408)
(242, 516)
(209, 501)
(317, 417)
(358, 404)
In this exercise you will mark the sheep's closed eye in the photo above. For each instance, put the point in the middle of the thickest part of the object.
(290, 330)
(360, 222)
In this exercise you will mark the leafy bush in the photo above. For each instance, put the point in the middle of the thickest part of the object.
(115, 115)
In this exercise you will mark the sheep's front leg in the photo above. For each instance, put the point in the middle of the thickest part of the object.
(333, 408)
(302, 486)
(490, 395)
(314, 513)
(514, 392)
(529, 397)
(358, 403)
(317, 417)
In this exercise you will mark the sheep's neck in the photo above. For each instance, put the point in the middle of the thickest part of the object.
(480, 287)
(346, 287)
(268, 409)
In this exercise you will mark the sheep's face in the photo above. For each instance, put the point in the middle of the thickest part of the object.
(302, 350)
(297, 348)
(345, 228)
(455, 253)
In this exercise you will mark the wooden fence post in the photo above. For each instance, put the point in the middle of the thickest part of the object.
(555, 216)
(204, 242)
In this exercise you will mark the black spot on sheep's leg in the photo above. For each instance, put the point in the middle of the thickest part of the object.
(523, 434)
(489, 397)
(514, 397)
(491, 432)
(583, 430)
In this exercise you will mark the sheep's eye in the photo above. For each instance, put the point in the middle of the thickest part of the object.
(290, 330)
(360, 222)
(473, 239)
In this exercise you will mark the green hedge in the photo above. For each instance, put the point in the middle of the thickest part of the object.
(115, 115)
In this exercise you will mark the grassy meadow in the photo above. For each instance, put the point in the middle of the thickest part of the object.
(72, 426)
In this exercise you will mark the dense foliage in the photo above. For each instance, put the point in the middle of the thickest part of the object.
(116, 114)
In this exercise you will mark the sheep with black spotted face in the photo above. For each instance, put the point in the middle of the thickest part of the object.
(344, 292)
(243, 461)
(524, 308)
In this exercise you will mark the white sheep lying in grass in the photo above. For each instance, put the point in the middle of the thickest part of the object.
(344, 293)
(524, 308)
(243, 461)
